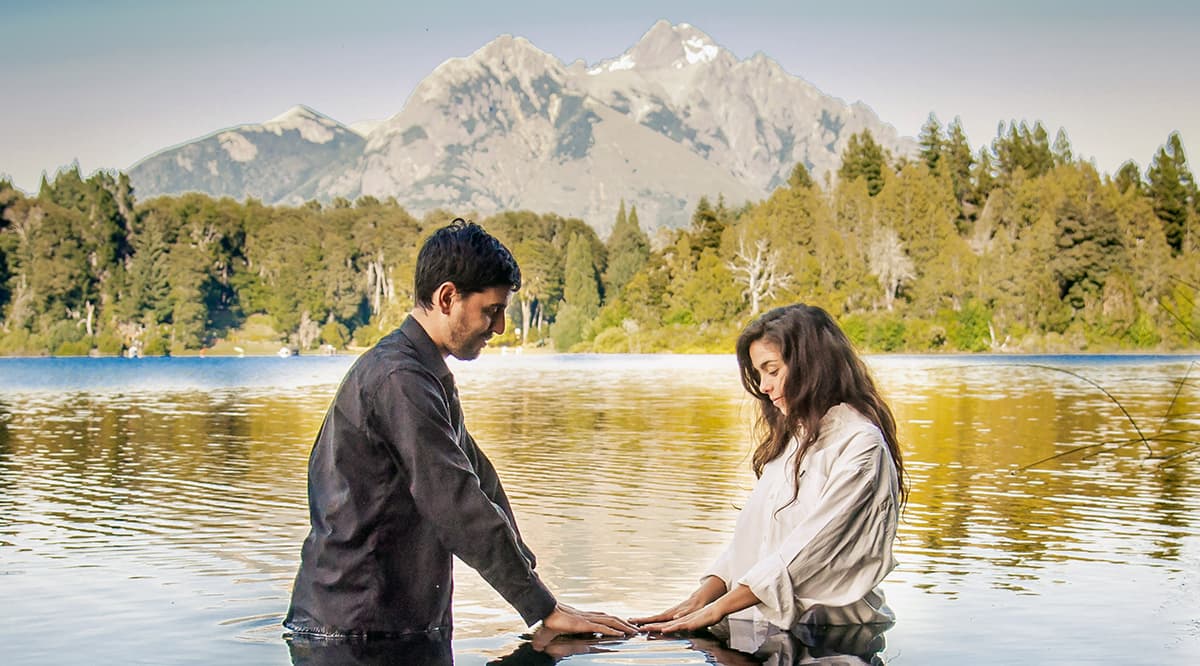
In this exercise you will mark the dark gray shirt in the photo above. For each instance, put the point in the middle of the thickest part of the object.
(396, 486)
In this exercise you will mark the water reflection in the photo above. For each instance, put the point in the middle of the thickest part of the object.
(735, 643)
(176, 514)
(425, 650)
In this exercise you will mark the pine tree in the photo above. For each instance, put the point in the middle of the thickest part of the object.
(983, 176)
(1171, 188)
(581, 296)
(1129, 176)
(1088, 244)
(1019, 147)
(707, 226)
(863, 158)
(628, 250)
(958, 158)
(932, 143)
(1062, 148)
(800, 177)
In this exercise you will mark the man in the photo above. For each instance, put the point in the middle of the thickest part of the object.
(396, 484)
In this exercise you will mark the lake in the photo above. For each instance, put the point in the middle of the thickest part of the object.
(152, 510)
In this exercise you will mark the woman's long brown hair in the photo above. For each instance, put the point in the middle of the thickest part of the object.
(823, 370)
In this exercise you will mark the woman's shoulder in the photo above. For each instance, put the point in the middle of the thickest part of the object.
(849, 427)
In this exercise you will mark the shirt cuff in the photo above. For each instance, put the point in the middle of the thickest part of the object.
(535, 602)
(770, 581)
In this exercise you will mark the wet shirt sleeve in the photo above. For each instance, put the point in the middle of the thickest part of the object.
(840, 550)
(413, 416)
(489, 481)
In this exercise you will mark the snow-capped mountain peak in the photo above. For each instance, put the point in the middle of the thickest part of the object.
(313, 126)
(673, 118)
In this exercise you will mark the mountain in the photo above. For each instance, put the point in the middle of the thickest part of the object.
(673, 118)
(509, 128)
(749, 117)
(271, 161)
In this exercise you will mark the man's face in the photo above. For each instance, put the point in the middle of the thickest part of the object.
(474, 318)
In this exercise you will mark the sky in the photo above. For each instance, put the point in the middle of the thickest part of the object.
(106, 83)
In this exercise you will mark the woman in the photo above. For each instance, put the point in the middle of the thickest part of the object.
(815, 537)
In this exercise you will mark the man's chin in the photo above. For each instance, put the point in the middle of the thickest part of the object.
(468, 354)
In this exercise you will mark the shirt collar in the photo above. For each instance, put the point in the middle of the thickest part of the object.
(427, 352)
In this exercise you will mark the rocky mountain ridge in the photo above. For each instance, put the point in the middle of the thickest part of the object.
(673, 118)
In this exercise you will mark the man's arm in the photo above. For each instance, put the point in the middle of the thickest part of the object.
(489, 481)
(413, 418)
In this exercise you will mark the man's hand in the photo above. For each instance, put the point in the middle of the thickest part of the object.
(566, 620)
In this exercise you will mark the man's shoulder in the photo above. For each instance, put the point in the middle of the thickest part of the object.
(394, 356)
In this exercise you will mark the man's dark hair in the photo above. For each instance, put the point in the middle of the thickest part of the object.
(467, 256)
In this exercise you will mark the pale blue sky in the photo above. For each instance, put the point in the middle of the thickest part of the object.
(107, 82)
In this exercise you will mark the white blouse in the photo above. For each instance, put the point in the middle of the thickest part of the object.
(818, 559)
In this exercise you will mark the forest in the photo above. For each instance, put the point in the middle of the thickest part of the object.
(1016, 247)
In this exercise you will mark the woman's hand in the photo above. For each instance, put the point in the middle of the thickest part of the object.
(711, 589)
(709, 614)
(705, 616)
(685, 607)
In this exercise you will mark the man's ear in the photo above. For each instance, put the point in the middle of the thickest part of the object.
(443, 296)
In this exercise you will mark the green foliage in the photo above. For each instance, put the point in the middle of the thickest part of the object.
(1022, 148)
(866, 159)
(628, 250)
(157, 345)
(800, 178)
(708, 224)
(1020, 246)
(932, 143)
(969, 328)
(109, 344)
(336, 334)
(1173, 191)
(581, 297)
(1129, 177)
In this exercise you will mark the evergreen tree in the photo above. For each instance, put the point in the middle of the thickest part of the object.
(932, 143)
(958, 162)
(147, 300)
(1062, 148)
(1089, 245)
(800, 177)
(707, 226)
(1022, 148)
(1172, 188)
(8, 242)
(581, 296)
(579, 278)
(628, 249)
(863, 158)
(1129, 177)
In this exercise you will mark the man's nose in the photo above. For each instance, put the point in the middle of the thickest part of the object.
(498, 324)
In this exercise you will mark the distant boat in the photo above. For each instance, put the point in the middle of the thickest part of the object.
(285, 352)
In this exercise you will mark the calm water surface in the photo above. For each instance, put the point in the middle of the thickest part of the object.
(151, 511)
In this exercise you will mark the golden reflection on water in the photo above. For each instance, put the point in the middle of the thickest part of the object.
(626, 474)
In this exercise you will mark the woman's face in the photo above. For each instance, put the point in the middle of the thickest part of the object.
(772, 371)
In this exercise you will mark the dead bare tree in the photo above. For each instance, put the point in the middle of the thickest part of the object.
(759, 271)
(889, 263)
